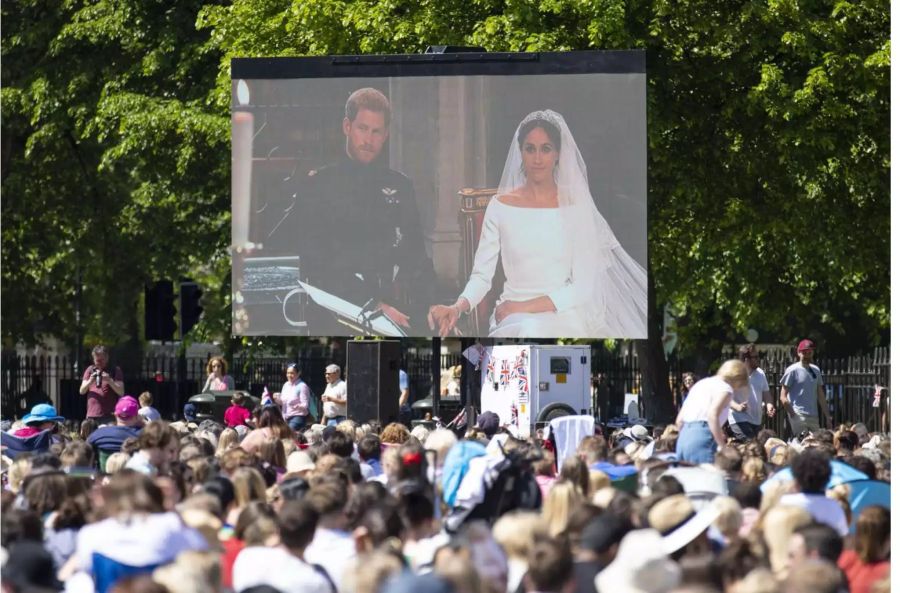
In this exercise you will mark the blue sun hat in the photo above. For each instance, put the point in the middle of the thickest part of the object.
(42, 413)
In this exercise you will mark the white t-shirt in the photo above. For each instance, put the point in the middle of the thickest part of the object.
(700, 399)
(334, 551)
(823, 509)
(276, 567)
(753, 395)
(336, 389)
(149, 414)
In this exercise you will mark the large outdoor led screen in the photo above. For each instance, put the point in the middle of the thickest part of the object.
(478, 195)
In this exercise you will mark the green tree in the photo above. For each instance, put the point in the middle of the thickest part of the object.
(115, 162)
(768, 150)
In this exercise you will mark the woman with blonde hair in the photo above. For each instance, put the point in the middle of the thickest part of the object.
(753, 470)
(516, 533)
(561, 502)
(705, 411)
(777, 526)
(116, 463)
(229, 439)
(217, 379)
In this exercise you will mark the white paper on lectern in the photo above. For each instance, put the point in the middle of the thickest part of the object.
(382, 325)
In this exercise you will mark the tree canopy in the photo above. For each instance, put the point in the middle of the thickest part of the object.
(768, 147)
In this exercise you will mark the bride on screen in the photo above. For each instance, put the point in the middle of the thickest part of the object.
(566, 273)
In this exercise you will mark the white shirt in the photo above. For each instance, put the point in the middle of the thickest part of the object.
(823, 509)
(336, 389)
(142, 540)
(276, 567)
(753, 395)
(149, 414)
(333, 550)
(700, 398)
(140, 462)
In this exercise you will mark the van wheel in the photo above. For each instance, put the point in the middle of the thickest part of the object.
(555, 411)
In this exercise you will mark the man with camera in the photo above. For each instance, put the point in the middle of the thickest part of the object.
(102, 387)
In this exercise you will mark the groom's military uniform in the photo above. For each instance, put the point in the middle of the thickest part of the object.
(360, 236)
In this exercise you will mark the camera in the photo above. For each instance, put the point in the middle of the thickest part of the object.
(98, 377)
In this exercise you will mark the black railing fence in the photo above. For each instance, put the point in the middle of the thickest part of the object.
(849, 382)
(27, 380)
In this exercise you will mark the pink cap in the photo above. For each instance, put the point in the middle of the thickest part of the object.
(127, 407)
(806, 345)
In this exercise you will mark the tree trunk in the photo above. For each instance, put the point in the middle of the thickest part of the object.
(657, 394)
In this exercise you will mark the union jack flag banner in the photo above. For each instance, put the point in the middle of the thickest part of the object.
(521, 372)
(504, 373)
(489, 370)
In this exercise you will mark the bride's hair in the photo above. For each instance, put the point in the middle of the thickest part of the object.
(546, 125)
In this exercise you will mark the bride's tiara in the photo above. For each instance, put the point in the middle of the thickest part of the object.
(547, 115)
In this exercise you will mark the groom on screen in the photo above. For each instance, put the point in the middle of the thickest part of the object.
(361, 237)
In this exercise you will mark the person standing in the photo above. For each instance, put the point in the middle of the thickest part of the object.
(802, 391)
(102, 386)
(334, 399)
(294, 399)
(745, 413)
(705, 411)
(405, 407)
(218, 379)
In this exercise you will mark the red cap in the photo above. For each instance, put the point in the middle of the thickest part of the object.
(806, 345)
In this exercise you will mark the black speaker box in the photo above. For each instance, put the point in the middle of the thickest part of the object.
(373, 380)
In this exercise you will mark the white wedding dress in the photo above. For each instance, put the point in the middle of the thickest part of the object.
(537, 261)
(569, 254)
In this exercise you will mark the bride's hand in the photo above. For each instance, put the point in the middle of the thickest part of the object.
(504, 310)
(442, 318)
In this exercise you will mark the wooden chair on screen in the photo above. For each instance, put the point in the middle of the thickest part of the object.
(472, 204)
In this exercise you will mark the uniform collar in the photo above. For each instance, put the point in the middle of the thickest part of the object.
(348, 163)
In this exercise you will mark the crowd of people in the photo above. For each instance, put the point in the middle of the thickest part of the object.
(278, 498)
(153, 506)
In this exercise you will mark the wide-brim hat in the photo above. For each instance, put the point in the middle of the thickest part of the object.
(638, 432)
(690, 529)
(641, 565)
(299, 461)
(42, 413)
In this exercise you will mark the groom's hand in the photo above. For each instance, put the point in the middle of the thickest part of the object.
(394, 315)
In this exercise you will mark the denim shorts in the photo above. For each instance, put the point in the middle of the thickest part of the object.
(696, 443)
(297, 423)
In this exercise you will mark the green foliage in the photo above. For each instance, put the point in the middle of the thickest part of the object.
(115, 162)
(768, 146)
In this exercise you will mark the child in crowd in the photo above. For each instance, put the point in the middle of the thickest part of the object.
(147, 411)
(237, 414)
